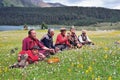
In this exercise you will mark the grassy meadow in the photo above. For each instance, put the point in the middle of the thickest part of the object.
(98, 62)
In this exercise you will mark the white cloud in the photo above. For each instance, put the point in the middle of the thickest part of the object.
(60, 1)
(116, 7)
(90, 3)
(113, 4)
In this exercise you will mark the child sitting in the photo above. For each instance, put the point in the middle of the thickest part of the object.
(28, 57)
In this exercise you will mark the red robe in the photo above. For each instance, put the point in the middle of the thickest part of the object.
(31, 57)
(29, 42)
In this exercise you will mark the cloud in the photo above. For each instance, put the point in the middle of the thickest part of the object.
(90, 3)
(116, 7)
(113, 4)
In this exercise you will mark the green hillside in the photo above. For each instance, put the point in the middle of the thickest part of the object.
(57, 15)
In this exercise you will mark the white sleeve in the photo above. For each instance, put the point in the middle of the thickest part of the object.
(88, 39)
(80, 39)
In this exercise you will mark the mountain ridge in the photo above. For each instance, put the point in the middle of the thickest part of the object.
(28, 3)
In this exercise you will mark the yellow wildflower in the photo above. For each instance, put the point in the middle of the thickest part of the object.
(90, 68)
(106, 56)
(6, 69)
(109, 78)
(105, 48)
(93, 77)
(87, 71)
(72, 64)
(69, 70)
(98, 78)
(79, 66)
(93, 62)
(0, 71)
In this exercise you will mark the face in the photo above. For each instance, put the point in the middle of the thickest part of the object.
(52, 33)
(33, 34)
(63, 33)
(84, 33)
(35, 51)
(72, 30)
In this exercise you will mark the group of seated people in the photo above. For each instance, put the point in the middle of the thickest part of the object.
(34, 50)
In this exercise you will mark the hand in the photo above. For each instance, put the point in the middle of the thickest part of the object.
(18, 58)
(57, 49)
(52, 50)
(36, 62)
(87, 41)
(79, 45)
(71, 46)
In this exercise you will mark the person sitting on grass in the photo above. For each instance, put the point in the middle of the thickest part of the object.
(73, 39)
(62, 40)
(47, 40)
(28, 57)
(84, 39)
(31, 41)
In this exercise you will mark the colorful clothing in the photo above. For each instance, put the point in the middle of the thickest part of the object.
(83, 38)
(47, 40)
(73, 40)
(29, 42)
(31, 57)
(62, 40)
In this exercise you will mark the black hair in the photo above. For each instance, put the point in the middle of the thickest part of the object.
(29, 32)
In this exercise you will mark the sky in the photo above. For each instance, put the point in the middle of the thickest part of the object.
(112, 4)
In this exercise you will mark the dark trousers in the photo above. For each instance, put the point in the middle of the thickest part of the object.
(62, 46)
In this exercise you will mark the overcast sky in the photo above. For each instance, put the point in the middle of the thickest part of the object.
(113, 4)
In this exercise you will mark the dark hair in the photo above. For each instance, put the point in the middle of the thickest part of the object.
(29, 32)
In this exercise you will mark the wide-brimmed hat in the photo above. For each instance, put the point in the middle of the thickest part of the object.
(83, 31)
(62, 29)
(35, 47)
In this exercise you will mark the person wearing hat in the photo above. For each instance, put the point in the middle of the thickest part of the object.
(47, 40)
(73, 39)
(84, 39)
(28, 57)
(62, 40)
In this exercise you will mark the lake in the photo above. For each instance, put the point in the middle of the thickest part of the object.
(7, 27)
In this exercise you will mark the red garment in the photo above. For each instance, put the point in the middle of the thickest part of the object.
(62, 40)
(29, 42)
(31, 57)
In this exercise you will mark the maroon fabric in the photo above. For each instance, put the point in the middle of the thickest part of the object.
(31, 57)
(43, 51)
(29, 42)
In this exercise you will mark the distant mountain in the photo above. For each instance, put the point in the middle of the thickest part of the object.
(56, 4)
(28, 3)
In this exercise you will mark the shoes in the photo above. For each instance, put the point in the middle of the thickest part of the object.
(22, 63)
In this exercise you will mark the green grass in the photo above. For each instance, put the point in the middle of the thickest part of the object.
(99, 62)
